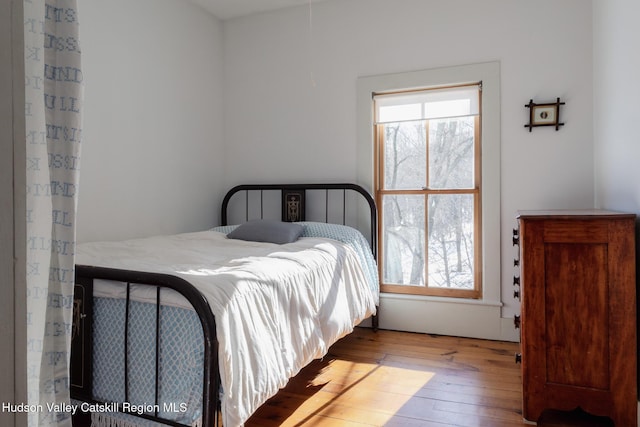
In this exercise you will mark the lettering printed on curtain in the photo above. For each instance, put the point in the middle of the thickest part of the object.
(53, 99)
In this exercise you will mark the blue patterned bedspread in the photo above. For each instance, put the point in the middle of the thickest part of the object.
(181, 355)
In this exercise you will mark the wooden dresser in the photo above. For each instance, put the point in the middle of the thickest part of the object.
(578, 313)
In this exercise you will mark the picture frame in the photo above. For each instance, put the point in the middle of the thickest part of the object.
(547, 114)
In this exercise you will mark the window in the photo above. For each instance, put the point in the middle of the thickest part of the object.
(428, 190)
(478, 312)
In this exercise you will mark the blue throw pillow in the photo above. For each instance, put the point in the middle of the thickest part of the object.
(264, 230)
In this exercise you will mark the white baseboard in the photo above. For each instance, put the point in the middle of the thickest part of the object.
(446, 316)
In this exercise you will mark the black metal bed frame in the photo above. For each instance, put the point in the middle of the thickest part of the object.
(293, 209)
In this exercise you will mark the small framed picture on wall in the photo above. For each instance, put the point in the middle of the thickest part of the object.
(547, 114)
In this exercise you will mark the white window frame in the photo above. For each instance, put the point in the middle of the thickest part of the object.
(478, 318)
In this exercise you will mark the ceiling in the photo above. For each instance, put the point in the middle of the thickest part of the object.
(227, 9)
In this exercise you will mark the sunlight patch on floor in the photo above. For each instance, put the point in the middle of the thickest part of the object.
(388, 388)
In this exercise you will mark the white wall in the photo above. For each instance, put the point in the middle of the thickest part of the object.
(152, 142)
(616, 67)
(155, 112)
(616, 108)
(282, 126)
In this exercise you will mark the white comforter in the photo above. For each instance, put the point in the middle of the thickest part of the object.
(277, 307)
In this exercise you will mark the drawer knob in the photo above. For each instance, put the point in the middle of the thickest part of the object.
(516, 281)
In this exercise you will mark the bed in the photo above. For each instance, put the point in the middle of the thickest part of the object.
(200, 329)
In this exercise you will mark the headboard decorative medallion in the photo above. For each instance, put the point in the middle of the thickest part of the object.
(292, 205)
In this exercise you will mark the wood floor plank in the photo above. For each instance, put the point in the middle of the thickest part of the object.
(400, 379)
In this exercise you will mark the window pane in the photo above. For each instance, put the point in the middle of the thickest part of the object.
(405, 155)
(451, 241)
(451, 153)
(403, 240)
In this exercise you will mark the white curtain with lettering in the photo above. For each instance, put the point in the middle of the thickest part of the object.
(53, 98)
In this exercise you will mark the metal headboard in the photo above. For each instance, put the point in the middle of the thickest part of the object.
(293, 206)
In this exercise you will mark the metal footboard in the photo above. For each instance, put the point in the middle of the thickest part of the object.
(82, 384)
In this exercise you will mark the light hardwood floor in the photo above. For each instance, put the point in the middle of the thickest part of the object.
(389, 378)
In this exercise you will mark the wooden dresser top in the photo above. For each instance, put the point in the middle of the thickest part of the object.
(573, 214)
